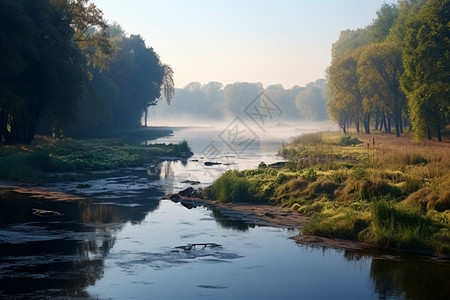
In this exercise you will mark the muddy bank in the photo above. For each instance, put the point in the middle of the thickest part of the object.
(257, 214)
(11, 190)
(269, 215)
(276, 216)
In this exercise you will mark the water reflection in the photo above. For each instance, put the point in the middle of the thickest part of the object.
(396, 275)
(60, 254)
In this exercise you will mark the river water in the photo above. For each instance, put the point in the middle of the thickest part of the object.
(121, 241)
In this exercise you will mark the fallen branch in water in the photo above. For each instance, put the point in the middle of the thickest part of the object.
(189, 247)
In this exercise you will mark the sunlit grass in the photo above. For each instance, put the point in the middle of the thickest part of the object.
(375, 188)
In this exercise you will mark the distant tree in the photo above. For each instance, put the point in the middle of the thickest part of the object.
(426, 58)
(239, 95)
(311, 101)
(285, 100)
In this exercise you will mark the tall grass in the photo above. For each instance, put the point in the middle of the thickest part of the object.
(232, 186)
(401, 226)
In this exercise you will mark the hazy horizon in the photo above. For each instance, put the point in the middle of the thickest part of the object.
(271, 42)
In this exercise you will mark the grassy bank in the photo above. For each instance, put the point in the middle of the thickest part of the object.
(30, 163)
(378, 189)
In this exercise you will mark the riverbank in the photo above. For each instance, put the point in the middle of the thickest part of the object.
(380, 190)
(47, 160)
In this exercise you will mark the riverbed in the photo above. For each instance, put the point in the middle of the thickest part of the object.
(121, 240)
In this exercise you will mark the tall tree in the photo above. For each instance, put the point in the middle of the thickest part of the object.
(379, 68)
(41, 69)
(380, 28)
(426, 57)
(345, 105)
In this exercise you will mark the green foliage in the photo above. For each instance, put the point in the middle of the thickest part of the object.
(31, 164)
(232, 186)
(426, 57)
(402, 55)
(41, 76)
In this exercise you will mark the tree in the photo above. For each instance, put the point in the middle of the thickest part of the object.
(41, 69)
(311, 101)
(381, 26)
(426, 57)
(239, 95)
(345, 104)
(122, 93)
(379, 68)
(285, 100)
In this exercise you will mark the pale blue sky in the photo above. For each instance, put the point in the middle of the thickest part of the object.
(267, 41)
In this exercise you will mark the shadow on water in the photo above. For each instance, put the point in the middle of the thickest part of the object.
(398, 275)
(57, 248)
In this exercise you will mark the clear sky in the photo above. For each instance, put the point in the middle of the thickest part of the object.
(268, 41)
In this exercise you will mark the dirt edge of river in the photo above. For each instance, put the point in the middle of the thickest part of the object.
(251, 213)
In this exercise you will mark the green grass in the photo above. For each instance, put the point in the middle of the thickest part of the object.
(400, 226)
(232, 186)
(31, 163)
(378, 189)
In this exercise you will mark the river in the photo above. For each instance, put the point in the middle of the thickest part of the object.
(121, 241)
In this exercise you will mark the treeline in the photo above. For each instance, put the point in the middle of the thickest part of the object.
(394, 72)
(214, 101)
(66, 72)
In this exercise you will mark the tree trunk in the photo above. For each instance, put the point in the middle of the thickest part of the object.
(367, 122)
(377, 119)
(385, 124)
(145, 116)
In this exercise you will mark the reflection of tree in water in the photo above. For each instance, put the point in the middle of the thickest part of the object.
(404, 277)
(416, 278)
(228, 223)
(58, 256)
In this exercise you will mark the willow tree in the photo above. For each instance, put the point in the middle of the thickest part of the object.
(426, 58)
